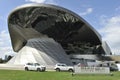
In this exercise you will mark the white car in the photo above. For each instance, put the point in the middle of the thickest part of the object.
(34, 66)
(63, 67)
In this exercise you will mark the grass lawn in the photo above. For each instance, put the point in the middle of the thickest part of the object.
(32, 75)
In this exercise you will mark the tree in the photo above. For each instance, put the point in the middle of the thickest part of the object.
(9, 57)
(1, 61)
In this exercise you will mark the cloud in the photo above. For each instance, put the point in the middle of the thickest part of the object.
(37, 1)
(118, 8)
(42, 1)
(0, 17)
(4, 36)
(88, 11)
(5, 46)
(3, 18)
(111, 32)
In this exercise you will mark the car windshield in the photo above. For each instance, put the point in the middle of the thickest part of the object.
(61, 64)
(29, 63)
(37, 64)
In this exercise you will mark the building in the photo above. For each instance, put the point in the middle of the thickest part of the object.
(50, 34)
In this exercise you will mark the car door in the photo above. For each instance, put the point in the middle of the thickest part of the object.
(31, 67)
(64, 67)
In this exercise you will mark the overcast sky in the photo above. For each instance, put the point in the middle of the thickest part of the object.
(103, 15)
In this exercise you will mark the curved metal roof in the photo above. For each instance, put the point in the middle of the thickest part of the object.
(45, 20)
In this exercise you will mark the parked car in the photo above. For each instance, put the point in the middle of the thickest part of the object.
(34, 66)
(63, 67)
(113, 67)
(118, 65)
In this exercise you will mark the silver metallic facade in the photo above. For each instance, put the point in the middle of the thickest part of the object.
(73, 33)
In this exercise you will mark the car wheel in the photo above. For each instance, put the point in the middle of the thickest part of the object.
(38, 69)
(70, 70)
(26, 69)
(58, 70)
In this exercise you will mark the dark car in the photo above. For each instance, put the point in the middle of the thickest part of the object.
(113, 67)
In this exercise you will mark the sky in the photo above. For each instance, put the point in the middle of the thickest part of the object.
(103, 15)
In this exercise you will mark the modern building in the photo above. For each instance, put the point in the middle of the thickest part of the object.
(50, 34)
